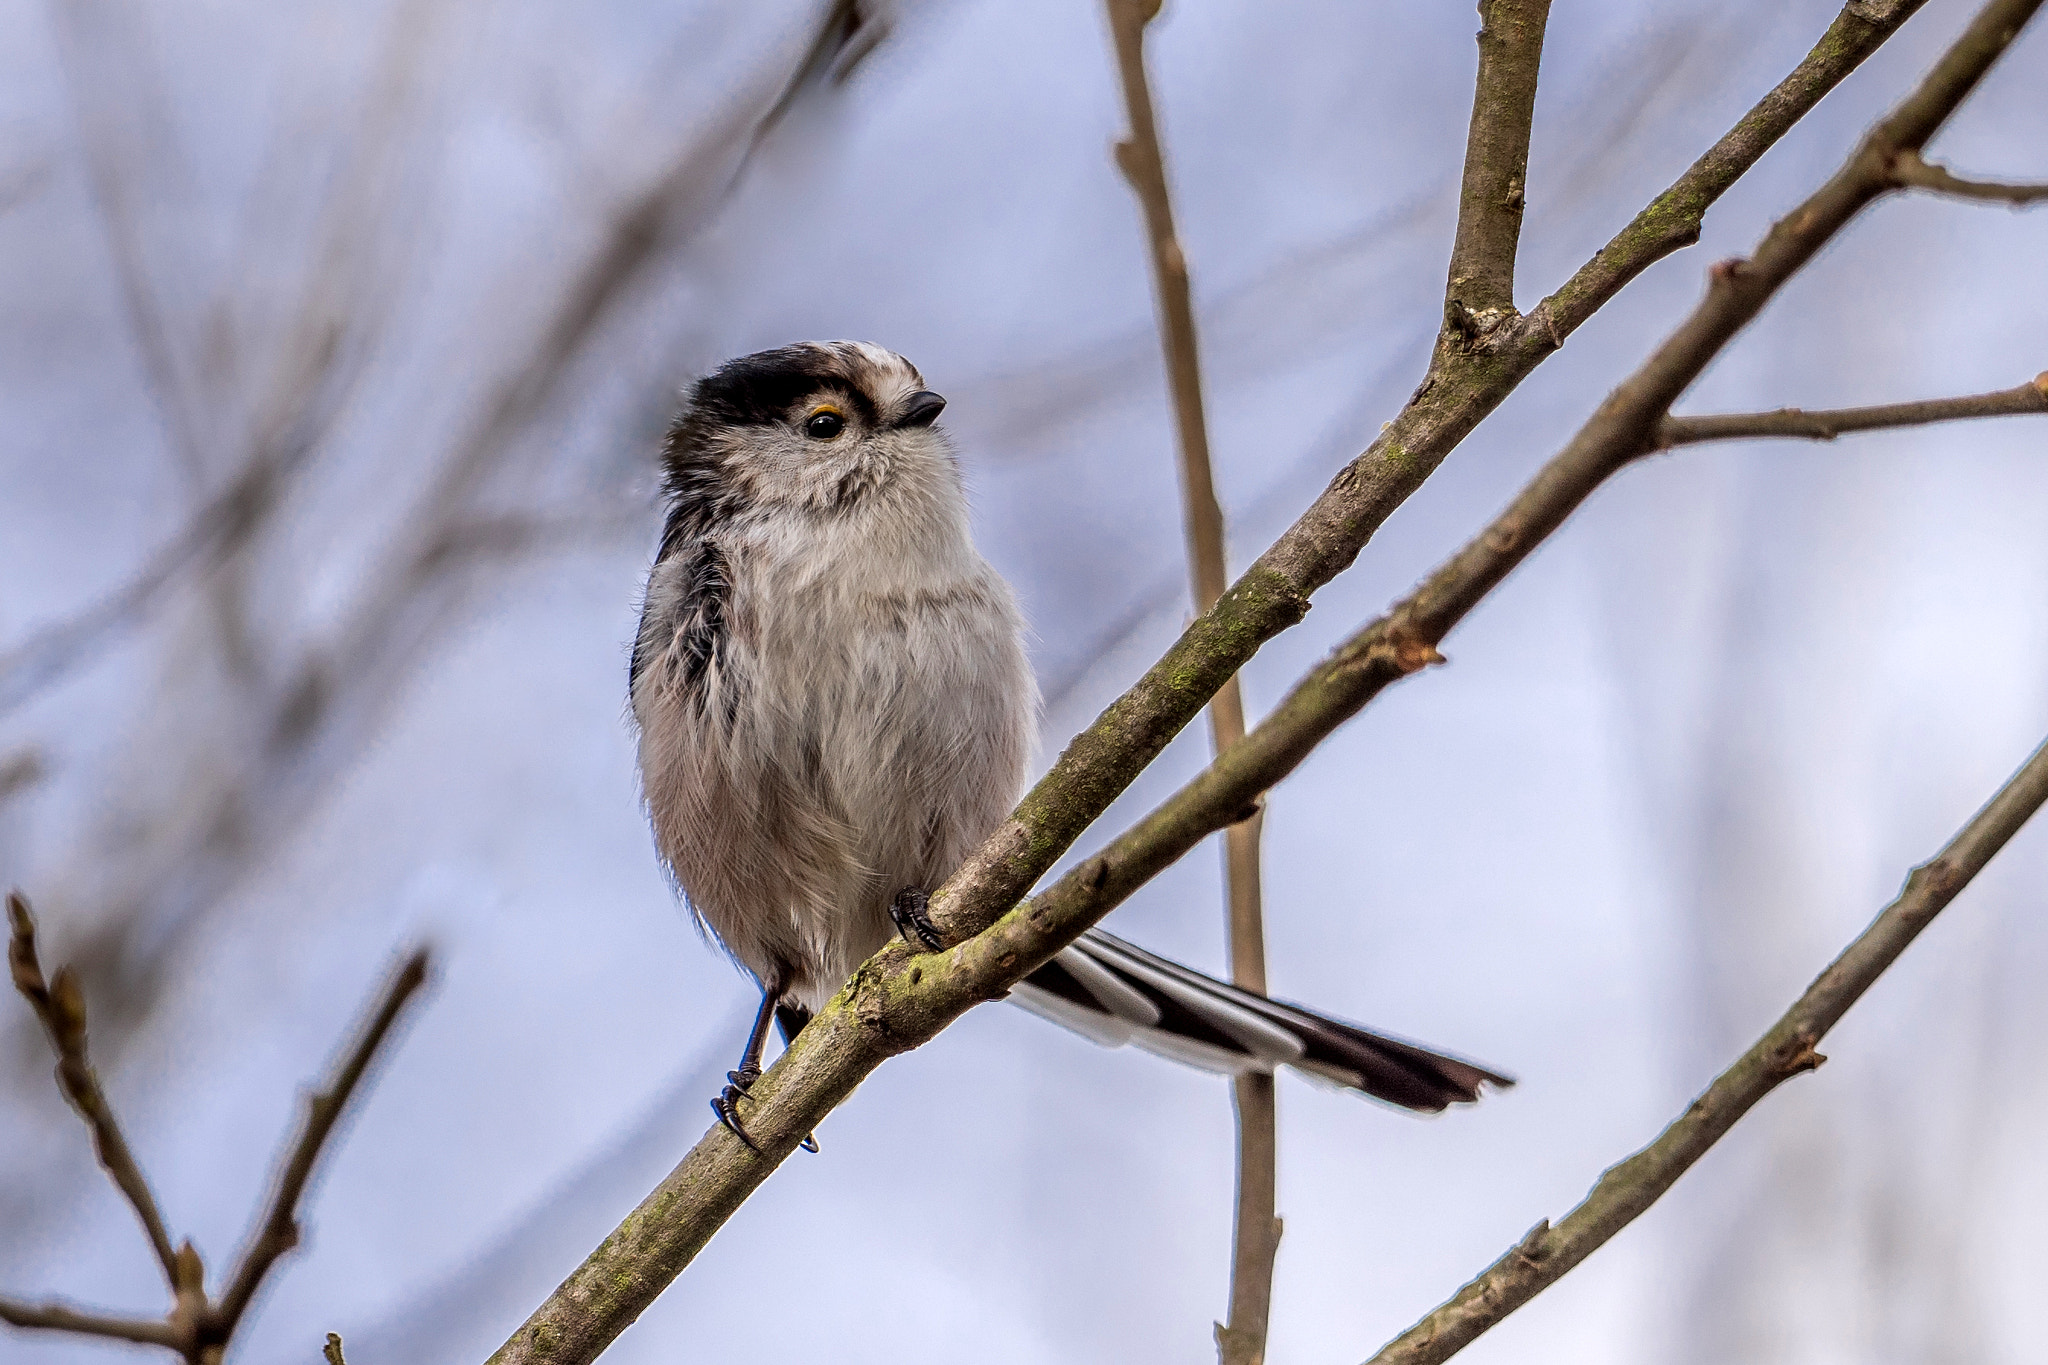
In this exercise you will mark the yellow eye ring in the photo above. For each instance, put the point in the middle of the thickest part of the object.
(824, 423)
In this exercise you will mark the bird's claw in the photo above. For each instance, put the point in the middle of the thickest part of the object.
(727, 1105)
(912, 913)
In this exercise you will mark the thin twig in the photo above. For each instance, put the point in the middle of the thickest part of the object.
(1144, 166)
(1784, 1051)
(279, 1231)
(61, 1007)
(1827, 424)
(1915, 172)
(1480, 294)
(59, 1317)
(895, 1002)
(197, 1329)
(1257, 1228)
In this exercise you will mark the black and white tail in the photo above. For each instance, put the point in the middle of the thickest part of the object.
(1108, 990)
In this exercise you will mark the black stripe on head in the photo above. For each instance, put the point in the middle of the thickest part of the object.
(761, 388)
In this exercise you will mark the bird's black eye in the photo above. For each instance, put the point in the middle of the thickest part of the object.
(824, 424)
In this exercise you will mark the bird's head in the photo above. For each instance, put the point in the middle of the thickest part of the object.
(818, 426)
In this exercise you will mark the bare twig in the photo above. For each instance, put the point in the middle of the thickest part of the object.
(1479, 298)
(2031, 397)
(1915, 172)
(61, 1007)
(1785, 1051)
(1144, 166)
(279, 1231)
(59, 1317)
(1480, 294)
(896, 1001)
(195, 1327)
(1256, 1241)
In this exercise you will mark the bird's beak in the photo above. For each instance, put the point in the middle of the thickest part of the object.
(921, 409)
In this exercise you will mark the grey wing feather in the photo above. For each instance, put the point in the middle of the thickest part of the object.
(684, 608)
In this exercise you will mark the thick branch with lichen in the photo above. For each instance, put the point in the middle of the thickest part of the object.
(1621, 431)
(1405, 639)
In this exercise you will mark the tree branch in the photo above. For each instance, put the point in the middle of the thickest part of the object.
(1915, 172)
(2031, 397)
(894, 1002)
(1256, 1237)
(1480, 294)
(279, 1230)
(61, 1007)
(1144, 167)
(60, 1317)
(1786, 1050)
(195, 1328)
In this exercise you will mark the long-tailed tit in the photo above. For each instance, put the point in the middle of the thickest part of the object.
(835, 709)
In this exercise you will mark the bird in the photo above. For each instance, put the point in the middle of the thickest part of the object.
(834, 708)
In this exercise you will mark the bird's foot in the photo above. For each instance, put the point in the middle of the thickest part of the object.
(912, 913)
(727, 1105)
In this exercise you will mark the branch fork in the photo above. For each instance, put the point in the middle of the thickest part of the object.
(999, 932)
(1911, 171)
(196, 1327)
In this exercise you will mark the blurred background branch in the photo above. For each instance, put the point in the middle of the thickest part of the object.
(60, 1007)
(197, 1327)
(258, 711)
